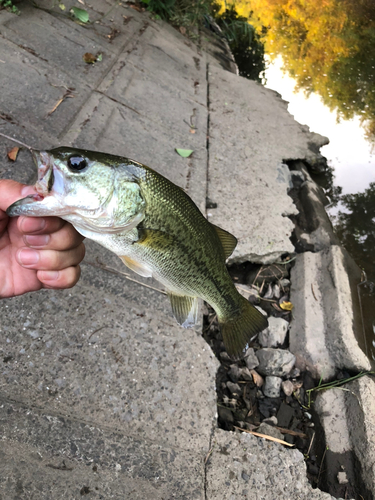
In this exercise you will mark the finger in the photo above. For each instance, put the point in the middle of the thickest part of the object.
(50, 260)
(40, 225)
(64, 239)
(66, 278)
(11, 191)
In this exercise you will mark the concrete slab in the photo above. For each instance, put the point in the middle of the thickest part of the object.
(109, 126)
(45, 456)
(109, 360)
(326, 316)
(244, 466)
(64, 43)
(360, 412)
(251, 133)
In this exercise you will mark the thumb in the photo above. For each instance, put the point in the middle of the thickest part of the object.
(11, 191)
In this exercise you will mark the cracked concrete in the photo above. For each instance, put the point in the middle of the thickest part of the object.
(101, 392)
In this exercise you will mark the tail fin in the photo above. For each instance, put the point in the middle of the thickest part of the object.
(238, 332)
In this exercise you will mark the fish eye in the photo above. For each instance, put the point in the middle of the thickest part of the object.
(76, 163)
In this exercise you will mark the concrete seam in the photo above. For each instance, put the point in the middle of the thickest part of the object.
(98, 83)
(90, 423)
(207, 134)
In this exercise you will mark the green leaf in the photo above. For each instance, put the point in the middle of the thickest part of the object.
(80, 14)
(185, 153)
(146, 1)
(99, 57)
(62, 6)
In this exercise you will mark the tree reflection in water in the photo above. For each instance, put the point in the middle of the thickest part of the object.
(355, 226)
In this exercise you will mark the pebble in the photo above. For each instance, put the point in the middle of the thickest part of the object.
(287, 387)
(249, 292)
(277, 362)
(224, 356)
(271, 387)
(225, 414)
(275, 334)
(234, 388)
(271, 420)
(246, 374)
(269, 430)
(251, 360)
(342, 478)
(234, 373)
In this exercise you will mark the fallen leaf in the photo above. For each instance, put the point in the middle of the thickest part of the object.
(258, 379)
(286, 306)
(80, 14)
(62, 6)
(89, 58)
(12, 154)
(135, 7)
(185, 153)
(192, 131)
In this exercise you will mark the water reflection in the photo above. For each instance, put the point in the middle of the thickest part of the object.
(327, 47)
(355, 225)
(326, 52)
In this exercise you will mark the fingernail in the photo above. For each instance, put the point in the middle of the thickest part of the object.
(26, 190)
(28, 257)
(49, 275)
(38, 240)
(32, 224)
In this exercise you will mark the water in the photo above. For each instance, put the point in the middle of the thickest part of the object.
(321, 59)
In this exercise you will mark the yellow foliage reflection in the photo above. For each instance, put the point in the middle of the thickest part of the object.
(327, 46)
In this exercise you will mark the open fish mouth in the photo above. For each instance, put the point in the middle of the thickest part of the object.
(44, 165)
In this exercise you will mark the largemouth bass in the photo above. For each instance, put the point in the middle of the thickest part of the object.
(152, 225)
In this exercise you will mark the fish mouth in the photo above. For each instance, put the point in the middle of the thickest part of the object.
(44, 164)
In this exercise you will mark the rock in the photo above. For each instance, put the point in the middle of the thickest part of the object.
(234, 388)
(298, 178)
(225, 414)
(269, 430)
(285, 415)
(287, 387)
(234, 373)
(224, 356)
(275, 334)
(284, 283)
(268, 406)
(271, 387)
(251, 360)
(342, 478)
(269, 292)
(249, 292)
(246, 374)
(270, 420)
(277, 362)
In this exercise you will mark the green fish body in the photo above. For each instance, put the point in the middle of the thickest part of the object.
(153, 226)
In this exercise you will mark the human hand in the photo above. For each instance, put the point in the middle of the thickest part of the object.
(35, 252)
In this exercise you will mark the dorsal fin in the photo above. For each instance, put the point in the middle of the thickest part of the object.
(228, 241)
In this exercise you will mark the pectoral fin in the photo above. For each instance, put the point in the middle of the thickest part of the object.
(153, 238)
(185, 309)
(228, 241)
(136, 266)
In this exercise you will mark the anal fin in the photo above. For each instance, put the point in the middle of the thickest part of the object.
(136, 266)
(185, 309)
